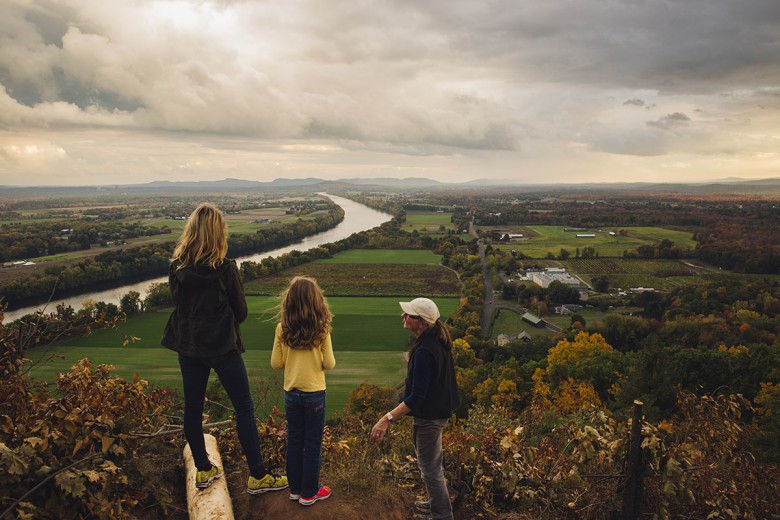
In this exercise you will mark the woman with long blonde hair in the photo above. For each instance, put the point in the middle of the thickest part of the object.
(204, 329)
(303, 348)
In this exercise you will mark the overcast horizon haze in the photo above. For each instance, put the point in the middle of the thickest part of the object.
(98, 92)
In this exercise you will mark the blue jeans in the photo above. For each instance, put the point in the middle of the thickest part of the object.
(430, 458)
(232, 373)
(305, 413)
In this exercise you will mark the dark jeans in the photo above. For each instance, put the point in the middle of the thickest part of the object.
(427, 446)
(232, 373)
(305, 421)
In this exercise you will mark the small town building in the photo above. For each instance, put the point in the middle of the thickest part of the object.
(567, 309)
(546, 277)
(505, 339)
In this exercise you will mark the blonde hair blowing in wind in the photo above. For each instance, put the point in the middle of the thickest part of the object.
(204, 239)
(305, 314)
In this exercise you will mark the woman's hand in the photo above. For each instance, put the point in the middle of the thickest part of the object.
(379, 429)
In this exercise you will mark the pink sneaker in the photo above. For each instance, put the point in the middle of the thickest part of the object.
(322, 494)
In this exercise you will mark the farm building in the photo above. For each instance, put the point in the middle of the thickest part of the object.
(534, 320)
(586, 235)
(505, 339)
(498, 233)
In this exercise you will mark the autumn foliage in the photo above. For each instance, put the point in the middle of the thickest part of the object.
(69, 451)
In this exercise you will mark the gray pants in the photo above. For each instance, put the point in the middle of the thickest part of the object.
(427, 446)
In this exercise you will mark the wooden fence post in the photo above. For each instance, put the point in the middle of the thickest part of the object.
(633, 486)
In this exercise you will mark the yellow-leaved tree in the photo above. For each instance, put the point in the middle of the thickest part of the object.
(566, 384)
(570, 352)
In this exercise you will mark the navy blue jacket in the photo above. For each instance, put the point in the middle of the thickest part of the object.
(431, 387)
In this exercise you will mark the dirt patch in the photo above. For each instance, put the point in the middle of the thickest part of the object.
(277, 504)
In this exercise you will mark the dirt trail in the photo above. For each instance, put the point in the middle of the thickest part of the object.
(277, 505)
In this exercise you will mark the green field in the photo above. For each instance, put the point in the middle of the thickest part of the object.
(428, 219)
(541, 240)
(428, 223)
(368, 341)
(509, 322)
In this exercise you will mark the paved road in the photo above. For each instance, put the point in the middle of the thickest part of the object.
(490, 304)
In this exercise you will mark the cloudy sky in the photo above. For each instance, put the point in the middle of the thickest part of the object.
(124, 91)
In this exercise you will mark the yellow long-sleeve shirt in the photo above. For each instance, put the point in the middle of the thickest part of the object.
(304, 369)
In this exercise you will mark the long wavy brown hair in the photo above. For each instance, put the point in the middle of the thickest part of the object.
(304, 313)
(204, 239)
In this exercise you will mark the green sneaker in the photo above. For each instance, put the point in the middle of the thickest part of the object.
(257, 486)
(203, 479)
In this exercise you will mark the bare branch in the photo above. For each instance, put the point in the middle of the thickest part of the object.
(174, 430)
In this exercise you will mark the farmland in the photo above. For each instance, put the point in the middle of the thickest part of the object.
(539, 241)
(370, 272)
(659, 274)
(429, 223)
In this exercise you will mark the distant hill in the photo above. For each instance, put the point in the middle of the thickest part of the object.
(722, 186)
(227, 183)
(387, 181)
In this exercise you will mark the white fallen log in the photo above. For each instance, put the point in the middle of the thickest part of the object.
(213, 502)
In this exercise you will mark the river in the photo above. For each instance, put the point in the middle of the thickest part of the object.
(357, 217)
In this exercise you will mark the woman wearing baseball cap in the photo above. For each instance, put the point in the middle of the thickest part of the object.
(431, 396)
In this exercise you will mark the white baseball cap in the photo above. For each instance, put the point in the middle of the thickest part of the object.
(422, 307)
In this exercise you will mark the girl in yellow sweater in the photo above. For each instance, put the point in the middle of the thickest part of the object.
(302, 346)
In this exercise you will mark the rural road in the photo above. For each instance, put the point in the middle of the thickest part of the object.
(490, 304)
